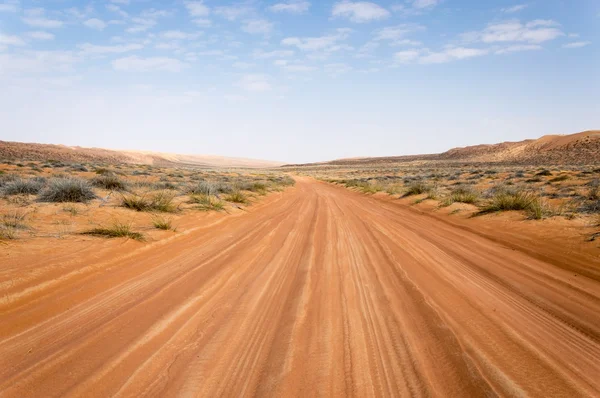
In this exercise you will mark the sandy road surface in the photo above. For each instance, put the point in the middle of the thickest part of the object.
(315, 292)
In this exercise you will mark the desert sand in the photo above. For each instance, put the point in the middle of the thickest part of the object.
(314, 291)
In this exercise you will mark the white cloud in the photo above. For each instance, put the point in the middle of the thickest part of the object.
(519, 48)
(37, 62)
(322, 43)
(92, 49)
(11, 40)
(202, 22)
(534, 32)
(395, 34)
(231, 13)
(297, 68)
(150, 64)
(117, 10)
(404, 57)
(257, 26)
(95, 23)
(40, 35)
(234, 98)
(261, 54)
(179, 35)
(451, 54)
(36, 17)
(292, 6)
(359, 11)
(337, 69)
(9, 6)
(422, 4)
(242, 65)
(197, 8)
(255, 82)
(515, 8)
(577, 44)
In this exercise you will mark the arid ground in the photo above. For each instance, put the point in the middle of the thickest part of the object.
(414, 279)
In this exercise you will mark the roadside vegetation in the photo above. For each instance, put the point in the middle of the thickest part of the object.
(536, 192)
(58, 199)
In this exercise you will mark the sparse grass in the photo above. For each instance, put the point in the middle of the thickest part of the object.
(109, 182)
(11, 223)
(207, 202)
(462, 195)
(71, 210)
(164, 223)
(23, 187)
(237, 197)
(117, 230)
(161, 201)
(516, 200)
(417, 188)
(560, 178)
(67, 190)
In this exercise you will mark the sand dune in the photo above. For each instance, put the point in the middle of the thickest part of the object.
(28, 151)
(580, 148)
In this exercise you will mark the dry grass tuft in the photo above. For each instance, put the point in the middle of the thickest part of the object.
(117, 230)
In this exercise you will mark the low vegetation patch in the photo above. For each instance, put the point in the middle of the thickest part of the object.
(109, 182)
(417, 188)
(67, 190)
(462, 195)
(207, 202)
(163, 223)
(516, 200)
(117, 230)
(159, 201)
(237, 197)
(23, 187)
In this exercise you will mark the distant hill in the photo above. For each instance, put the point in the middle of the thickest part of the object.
(44, 152)
(580, 148)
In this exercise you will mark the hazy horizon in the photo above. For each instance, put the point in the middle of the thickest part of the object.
(296, 81)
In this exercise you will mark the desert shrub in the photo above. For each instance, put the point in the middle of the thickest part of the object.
(15, 219)
(67, 190)
(6, 178)
(534, 179)
(102, 171)
(462, 194)
(417, 188)
(140, 173)
(159, 201)
(505, 200)
(165, 185)
(117, 230)
(563, 177)
(163, 223)
(236, 197)
(110, 182)
(594, 190)
(79, 167)
(207, 202)
(10, 224)
(544, 173)
(23, 187)
(203, 188)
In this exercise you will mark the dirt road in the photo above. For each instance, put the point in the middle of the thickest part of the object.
(317, 291)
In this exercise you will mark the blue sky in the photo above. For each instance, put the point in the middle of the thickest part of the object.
(298, 80)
